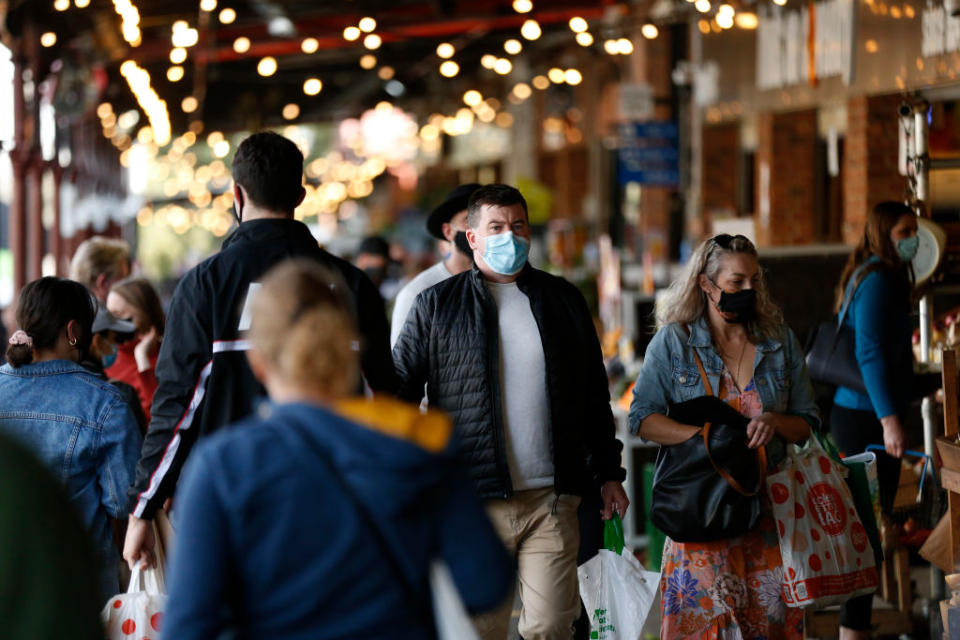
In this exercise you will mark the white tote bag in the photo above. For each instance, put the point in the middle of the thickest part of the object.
(618, 594)
(138, 613)
(449, 613)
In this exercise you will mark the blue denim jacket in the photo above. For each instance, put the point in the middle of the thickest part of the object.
(82, 430)
(670, 375)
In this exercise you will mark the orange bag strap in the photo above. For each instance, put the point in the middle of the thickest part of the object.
(703, 374)
(761, 453)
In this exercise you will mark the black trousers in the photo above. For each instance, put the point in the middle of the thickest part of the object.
(591, 541)
(853, 430)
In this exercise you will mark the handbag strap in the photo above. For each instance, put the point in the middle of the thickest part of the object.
(760, 456)
(848, 295)
(424, 608)
(703, 373)
(761, 452)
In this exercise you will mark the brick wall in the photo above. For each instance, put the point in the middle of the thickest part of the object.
(719, 171)
(786, 148)
(869, 160)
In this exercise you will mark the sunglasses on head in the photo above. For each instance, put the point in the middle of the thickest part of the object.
(725, 240)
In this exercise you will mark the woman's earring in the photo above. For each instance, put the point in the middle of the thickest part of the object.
(72, 342)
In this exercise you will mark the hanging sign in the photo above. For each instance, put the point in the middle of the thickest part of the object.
(797, 47)
(649, 153)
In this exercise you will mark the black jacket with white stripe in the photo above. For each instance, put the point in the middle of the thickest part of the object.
(204, 381)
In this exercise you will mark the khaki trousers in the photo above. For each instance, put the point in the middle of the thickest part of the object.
(541, 531)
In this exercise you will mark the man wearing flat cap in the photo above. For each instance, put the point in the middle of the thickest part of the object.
(447, 222)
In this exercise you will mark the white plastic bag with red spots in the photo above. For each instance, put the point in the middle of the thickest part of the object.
(827, 557)
(138, 613)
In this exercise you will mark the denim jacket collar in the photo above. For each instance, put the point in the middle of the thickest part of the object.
(47, 368)
(700, 338)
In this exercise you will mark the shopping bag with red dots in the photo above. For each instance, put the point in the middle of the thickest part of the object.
(138, 613)
(827, 556)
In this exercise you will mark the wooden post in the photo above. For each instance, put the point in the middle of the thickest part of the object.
(18, 160)
(56, 240)
(35, 216)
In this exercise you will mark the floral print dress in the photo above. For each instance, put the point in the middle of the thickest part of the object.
(728, 589)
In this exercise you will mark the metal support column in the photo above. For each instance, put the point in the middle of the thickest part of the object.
(921, 135)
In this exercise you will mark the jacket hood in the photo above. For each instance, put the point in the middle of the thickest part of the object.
(280, 230)
(390, 453)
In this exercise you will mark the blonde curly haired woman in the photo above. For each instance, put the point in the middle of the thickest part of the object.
(720, 311)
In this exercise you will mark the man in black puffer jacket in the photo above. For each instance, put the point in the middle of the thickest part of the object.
(511, 353)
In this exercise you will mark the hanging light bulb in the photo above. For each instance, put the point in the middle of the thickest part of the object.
(649, 31)
(747, 20)
(445, 50)
(241, 44)
(367, 24)
(178, 55)
(531, 30)
(309, 45)
(522, 6)
(512, 46)
(584, 39)
(351, 33)
(267, 66)
(578, 24)
(312, 86)
(449, 69)
(503, 66)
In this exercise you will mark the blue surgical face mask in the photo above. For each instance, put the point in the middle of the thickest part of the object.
(907, 248)
(109, 358)
(506, 253)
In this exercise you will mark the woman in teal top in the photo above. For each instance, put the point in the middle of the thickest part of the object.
(876, 285)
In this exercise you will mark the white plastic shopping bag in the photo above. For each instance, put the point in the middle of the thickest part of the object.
(138, 613)
(450, 615)
(618, 594)
(827, 556)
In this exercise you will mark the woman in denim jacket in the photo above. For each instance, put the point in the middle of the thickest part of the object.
(77, 424)
(728, 588)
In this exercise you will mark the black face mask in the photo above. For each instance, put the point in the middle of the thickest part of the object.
(743, 304)
(460, 240)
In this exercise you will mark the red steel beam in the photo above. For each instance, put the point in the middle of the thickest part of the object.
(156, 50)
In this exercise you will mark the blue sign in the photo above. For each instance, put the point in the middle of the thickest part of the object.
(649, 154)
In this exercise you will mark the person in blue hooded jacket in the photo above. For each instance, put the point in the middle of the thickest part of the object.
(320, 517)
(874, 291)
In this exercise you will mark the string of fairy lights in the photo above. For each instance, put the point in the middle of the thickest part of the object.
(193, 167)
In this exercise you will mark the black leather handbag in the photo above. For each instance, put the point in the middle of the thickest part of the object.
(831, 351)
(832, 358)
(708, 487)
